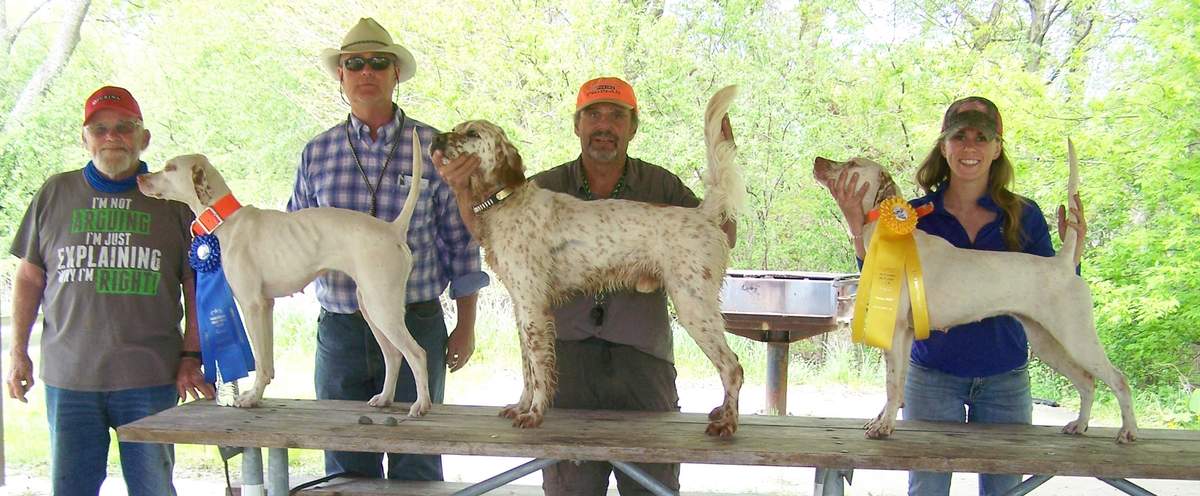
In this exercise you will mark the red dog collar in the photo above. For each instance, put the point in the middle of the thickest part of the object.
(213, 216)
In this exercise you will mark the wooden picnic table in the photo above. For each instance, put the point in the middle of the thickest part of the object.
(829, 443)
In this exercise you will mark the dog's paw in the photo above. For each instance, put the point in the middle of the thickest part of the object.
(528, 420)
(379, 401)
(722, 428)
(1126, 436)
(721, 423)
(419, 409)
(511, 411)
(248, 399)
(879, 428)
(1075, 427)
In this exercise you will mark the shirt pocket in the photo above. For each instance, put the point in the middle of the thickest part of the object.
(424, 213)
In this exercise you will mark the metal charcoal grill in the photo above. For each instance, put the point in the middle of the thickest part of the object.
(782, 307)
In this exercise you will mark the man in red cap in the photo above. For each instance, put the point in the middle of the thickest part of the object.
(108, 267)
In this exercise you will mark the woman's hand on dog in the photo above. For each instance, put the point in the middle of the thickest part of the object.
(849, 196)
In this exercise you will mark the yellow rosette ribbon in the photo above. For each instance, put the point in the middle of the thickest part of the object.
(891, 259)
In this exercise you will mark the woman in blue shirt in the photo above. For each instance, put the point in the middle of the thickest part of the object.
(974, 372)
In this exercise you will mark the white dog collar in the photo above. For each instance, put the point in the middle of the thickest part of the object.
(491, 201)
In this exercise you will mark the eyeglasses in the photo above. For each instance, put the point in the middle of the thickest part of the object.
(125, 128)
(377, 63)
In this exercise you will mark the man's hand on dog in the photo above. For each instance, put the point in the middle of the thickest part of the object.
(1077, 221)
(20, 376)
(190, 380)
(457, 171)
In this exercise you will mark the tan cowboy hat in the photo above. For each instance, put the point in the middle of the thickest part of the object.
(369, 36)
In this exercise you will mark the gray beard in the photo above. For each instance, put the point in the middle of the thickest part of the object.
(599, 156)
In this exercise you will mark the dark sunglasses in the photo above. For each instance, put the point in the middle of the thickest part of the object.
(376, 63)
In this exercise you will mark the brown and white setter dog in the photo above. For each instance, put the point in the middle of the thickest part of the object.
(534, 244)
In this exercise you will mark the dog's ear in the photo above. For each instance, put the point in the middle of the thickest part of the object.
(200, 182)
(510, 170)
(887, 187)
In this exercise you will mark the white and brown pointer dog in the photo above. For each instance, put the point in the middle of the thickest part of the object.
(268, 253)
(962, 286)
(534, 243)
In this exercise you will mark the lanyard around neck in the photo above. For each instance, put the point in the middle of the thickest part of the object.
(374, 189)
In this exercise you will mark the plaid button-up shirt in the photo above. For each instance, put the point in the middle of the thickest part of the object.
(442, 248)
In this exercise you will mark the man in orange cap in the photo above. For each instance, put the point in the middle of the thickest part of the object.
(614, 348)
(108, 267)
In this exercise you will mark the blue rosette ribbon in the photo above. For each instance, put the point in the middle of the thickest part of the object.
(223, 341)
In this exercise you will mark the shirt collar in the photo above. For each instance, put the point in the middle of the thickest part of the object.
(938, 197)
(363, 132)
(583, 189)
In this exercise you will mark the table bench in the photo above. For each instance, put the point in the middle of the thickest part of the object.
(620, 437)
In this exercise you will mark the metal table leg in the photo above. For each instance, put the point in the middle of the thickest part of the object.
(777, 382)
(831, 482)
(643, 478)
(277, 471)
(506, 477)
(1127, 487)
(252, 472)
(1028, 485)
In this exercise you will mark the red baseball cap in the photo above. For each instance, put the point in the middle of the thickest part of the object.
(608, 90)
(114, 98)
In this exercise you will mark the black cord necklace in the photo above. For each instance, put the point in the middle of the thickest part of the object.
(374, 190)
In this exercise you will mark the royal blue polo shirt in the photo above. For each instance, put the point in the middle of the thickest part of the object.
(993, 345)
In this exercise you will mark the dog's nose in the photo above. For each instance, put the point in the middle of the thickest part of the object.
(439, 143)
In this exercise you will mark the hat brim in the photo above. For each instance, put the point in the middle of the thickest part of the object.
(971, 119)
(619, 103)
(404, 59)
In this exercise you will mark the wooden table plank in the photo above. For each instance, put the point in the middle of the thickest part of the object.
(678, 437)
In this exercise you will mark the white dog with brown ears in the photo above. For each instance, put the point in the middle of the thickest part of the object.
(532, 239)
(268, 253)
(962, 286)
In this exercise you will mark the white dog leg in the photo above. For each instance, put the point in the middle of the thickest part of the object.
(703, 322)
(897, 372)
(259, 322)
(511, 411)
(537, 335)
(397, 345)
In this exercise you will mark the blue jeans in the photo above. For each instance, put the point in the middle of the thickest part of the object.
(349, 366)
(79, 423)
(999, 399)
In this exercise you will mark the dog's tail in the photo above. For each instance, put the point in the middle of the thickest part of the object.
(726, 190)
(414, 191)
(1068, 247)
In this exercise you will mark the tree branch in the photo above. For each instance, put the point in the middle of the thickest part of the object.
(10, 35)
(61, 49)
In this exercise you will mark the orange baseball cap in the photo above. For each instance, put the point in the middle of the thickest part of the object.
(111, 97)
(607, 90)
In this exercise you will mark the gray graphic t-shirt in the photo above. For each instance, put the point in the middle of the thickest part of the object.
(113, 262)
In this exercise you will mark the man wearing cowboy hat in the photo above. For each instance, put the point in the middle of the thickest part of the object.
(364, 163)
